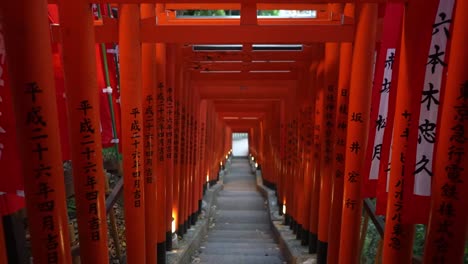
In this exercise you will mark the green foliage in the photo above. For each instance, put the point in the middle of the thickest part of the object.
(419, 239)
(110, 154)
(268, 12)
(223, 13)
(371, 243)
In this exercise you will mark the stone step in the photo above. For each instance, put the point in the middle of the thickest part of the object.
(241, 216)
(241, 204)
(237, 226)
(240, 234)
(237, 240)
(239, 259)
(236, 245)
(253, 251)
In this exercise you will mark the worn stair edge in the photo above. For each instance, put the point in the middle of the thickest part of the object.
(291, 248)
(193, 238)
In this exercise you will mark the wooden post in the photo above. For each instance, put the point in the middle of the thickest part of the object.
(32, 87)
(160, 157)
(358, 124)
(132, 131)
(148, 55)
(314, 205)
(79, 60)
(448, 218)
(168, 130)
(346, 52)
(332, 53)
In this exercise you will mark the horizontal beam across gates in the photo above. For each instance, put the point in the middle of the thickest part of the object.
(245, 66)
(270, 93)
(106, 31)
(236, 1)
(254, 106)
(207, 56)
(237, 6)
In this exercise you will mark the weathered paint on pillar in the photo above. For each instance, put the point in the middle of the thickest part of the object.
(79, 60)
(358, 127)
(448, 218)
(32, 87)
(148, 55)
(132, 131)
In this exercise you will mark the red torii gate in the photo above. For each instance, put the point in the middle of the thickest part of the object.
(202, 90)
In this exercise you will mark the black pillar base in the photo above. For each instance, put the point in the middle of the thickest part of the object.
(193, 219)
(305, 237)
(322, 248)
(294, 226)
(200, 202)
(299, 232)
(280, 208)
(161, 253)
(186, 226)
(168, 241)
(312, 243)
(287, 219)
(15, 237)
(180, 230)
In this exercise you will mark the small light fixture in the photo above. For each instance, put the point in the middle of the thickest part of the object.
(226, 156)
(284, 209)
(221, 163)
(256, 165)
(173, 225)
(207, 178)
(253, 158)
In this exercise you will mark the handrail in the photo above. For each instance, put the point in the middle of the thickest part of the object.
(379, 224)
(110, 201)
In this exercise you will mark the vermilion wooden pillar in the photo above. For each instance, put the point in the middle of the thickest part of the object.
(169, 138)
(200, 176)
(148, 55)
(308, 155)
(177, 182)
(346, 52)
(185, 141)
(299, 167)
(358, 127)
(132, 131)
(203, 155)
(319, 106)
(160, 153)
(448, 222)
(327, 126)
(32, 87)
(79, 62)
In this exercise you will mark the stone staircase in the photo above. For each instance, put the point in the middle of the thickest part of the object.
(241, 231)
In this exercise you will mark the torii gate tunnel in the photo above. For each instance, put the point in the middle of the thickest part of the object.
(329, 101)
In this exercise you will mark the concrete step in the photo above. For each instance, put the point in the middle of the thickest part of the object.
(239, 259)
